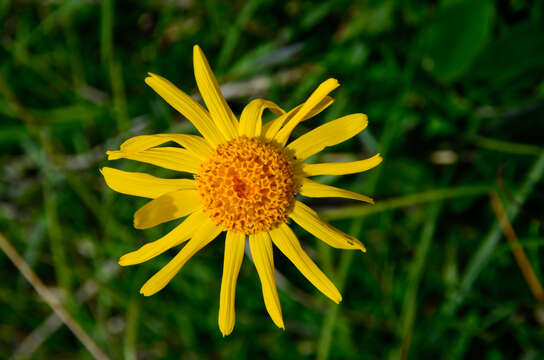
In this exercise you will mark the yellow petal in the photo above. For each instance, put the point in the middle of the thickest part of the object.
(263, 257)
(311, 222)
(195, 144)
(141, 184)
(178, 235)
(251, 118)
(188, 107)
(211, 93)
(234, 254)
(341, 168)
(284, 238)
(271, 128)
(311, 188)
(167, 157)
(314, 100)
(167, 207)
(206, 233)
(329, 134)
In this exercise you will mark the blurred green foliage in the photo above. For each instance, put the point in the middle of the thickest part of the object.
(454, 92)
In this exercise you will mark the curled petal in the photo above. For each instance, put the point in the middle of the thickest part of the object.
(251, 118)
(195, 144)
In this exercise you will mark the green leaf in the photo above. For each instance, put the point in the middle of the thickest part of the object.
(522, 45)
(456, 37)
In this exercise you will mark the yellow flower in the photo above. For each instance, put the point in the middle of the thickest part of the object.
(245, 181)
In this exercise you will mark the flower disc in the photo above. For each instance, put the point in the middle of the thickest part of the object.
(247, 185)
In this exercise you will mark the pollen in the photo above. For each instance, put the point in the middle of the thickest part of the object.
(247, 185)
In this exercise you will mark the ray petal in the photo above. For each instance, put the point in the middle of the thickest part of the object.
(234, 254)
(211, 93)
(312, 188)
(263, 257)
(167, 157)
(251, 118)
(341, 168)
(178, 235)
(195, 144)
(188, 107)
(284, 238)
(141, 184)
(328, 134)
(271, 128)
(311, 222)
(206, 233)
(167, 207)
(313, 101)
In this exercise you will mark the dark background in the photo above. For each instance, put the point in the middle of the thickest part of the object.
(454, 92)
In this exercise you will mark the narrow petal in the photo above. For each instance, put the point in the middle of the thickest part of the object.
(311, 222)
(234, 253)
(188, 107)
(263, 257)
(341, 168)
(211, 93)
(251, 118)
(141, 184)
(195, 144)
(271, 128)
(178, 235)
(329, 134)
(167, 207)
(311, 188)
(206, 233)
(284, 238)
(316, 98)
(167, 157)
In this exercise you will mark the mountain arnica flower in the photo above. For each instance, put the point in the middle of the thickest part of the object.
(246, 176)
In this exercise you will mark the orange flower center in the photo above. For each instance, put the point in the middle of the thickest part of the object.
(246, 186)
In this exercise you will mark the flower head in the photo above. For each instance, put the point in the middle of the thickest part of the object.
(246, 177)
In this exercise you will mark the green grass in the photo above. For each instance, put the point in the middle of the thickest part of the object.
(454, 92)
